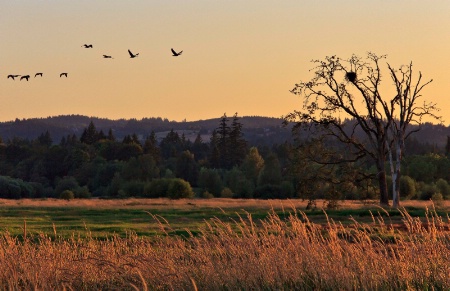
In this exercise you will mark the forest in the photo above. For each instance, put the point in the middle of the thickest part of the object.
(224, 159)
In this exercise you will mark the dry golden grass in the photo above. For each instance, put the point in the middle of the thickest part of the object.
(274, 254)
(160, 203)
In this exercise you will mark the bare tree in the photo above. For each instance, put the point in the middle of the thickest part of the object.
(405, 110)
(351, 90)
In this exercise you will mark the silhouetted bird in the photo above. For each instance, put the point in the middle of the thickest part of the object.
(87, 45)
(132, 55)
(25, 77)
(12, 77)
(107, 57)
(175, 54)
(38, 74)
(63, 74)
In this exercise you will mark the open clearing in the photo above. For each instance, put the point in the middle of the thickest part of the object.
(98, 218)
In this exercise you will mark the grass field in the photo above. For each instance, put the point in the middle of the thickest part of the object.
(103, 218)
(222, 244)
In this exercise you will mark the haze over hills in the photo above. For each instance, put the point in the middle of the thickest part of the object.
(257, 129)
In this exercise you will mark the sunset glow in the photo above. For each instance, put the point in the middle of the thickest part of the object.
(238, 56)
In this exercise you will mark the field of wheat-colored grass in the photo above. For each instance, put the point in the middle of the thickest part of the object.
(275, 253)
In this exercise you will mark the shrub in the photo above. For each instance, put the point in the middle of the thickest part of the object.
(66, 183)
(407, 187)
(437, 199)
(226, 193)
(268, 191)
(207, 195)
(134, 188)
(427, 191)
(67, 194)
(287, 189)
(157, 188)
(443, 187)
(83, 192)
(179, 188)
(209, 180)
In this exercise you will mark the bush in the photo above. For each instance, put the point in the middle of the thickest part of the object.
(268, 191)
(443, 187)
(209, 180)
(157, 188)
(437, 198)
(67, 194)
(15, 188)
(207, 195)
(83, 193)
(66, 183)
(407, 187)
(427, 191)
(226, 193)
(287, 189)
(134, 188)
(179, 188)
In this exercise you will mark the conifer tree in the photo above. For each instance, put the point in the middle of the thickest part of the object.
(237, 145)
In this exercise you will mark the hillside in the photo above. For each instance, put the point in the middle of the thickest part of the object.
(256, 129)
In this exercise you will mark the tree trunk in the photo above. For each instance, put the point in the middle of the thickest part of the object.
(396, 173)
(384, 194)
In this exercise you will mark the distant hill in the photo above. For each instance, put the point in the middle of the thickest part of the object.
(256, 129)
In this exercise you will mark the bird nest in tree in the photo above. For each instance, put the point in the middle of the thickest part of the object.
(350, 76)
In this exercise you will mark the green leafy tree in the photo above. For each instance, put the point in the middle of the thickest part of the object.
(187, 167)
(271, 172)
(142, 168)
(210, 180)
(252, 165)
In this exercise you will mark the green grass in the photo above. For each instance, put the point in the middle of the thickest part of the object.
(101, 223)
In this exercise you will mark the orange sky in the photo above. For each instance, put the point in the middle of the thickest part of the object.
(238, 56)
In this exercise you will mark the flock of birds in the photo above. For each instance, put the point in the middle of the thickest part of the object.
(132, 55)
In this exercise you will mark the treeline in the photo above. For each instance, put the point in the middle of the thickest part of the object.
(98, 164)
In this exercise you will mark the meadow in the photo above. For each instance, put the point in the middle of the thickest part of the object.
(222, 244)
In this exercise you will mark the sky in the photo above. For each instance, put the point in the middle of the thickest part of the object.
(238, 56)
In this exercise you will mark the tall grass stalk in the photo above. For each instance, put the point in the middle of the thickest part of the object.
(274, 253)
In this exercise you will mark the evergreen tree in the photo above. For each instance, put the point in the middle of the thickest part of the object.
(111, 136)
(214, 154)
(199, 148)
(447, 147)
(170, 145)
(45, 139)
(187, 167)
(237, 145)
(151, 147)
(90, 134)
(223, 132)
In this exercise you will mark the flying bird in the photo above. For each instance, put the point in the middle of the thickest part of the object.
(132, 55)
(107, 57)
(12, 77)
(175, 54)
(63, 74)
(25, 77)
(87, 45)
(38, 74)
